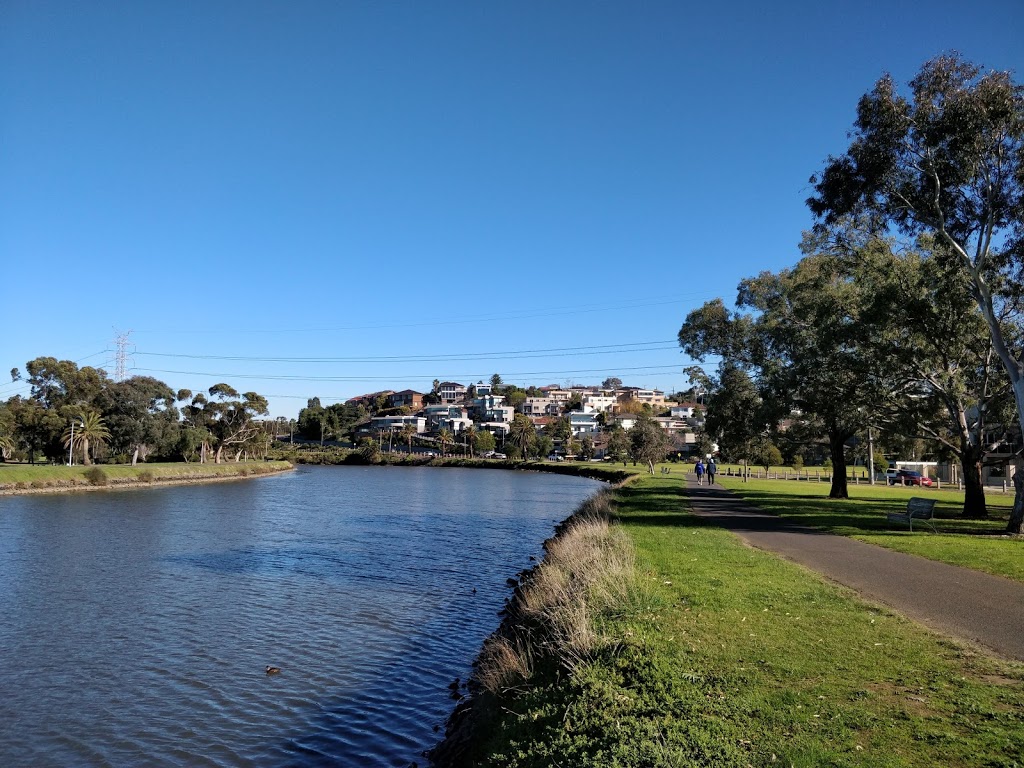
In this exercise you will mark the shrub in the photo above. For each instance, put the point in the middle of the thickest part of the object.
(96, 476)
(146, 476)
(39, 484)
(798, 462)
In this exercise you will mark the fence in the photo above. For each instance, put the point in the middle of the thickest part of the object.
(854, 478)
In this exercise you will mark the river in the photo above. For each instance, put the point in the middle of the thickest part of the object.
(136, 626)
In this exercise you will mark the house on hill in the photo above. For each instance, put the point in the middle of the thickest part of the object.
(407, 398)
(451, 392)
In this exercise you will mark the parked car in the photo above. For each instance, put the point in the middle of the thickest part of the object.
(908, 477)
(892, 475)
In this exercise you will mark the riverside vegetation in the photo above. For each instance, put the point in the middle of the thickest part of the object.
(22, 478)
(647, 638)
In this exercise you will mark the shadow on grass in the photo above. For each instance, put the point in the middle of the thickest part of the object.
(670, 506)
(860, 516)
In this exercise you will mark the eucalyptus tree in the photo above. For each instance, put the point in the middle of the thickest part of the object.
(800, 331)
(60, 383)
(37, 429)
(944, 381)
(586, 448)
(61, 389)
(618, 444)
(736, 414)
(225, 420)
(141, 415)
(196, 436)
(647, 441)
(946, 160)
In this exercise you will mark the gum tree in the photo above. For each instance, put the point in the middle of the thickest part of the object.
(800, 332)
(944, 381)
(946, 160)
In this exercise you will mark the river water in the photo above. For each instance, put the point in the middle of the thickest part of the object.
(136, 626)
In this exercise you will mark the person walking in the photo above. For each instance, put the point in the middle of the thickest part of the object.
(699, 469)
(711, 469)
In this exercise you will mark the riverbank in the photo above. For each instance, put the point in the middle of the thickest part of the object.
(18, 479)
(713, 653)
(343, 457)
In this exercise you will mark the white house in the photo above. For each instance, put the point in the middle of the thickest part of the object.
(598, 403)
(683, 410)
(387, 423)
(583, 423)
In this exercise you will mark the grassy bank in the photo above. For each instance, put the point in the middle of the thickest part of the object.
(715, 654)
(977, 544)
(19, 478)
(340, 456)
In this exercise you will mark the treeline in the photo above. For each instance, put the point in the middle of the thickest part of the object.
(904, 314)
(83, 414)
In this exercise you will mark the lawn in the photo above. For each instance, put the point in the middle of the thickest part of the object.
(977, 544)
(21, 476)
(733, 657)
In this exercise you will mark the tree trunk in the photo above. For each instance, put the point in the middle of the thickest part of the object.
(974, 491)
(135, 456)
(1016, 524)
(85, 453)
(650, 465)
(217, 456)
(837, 452)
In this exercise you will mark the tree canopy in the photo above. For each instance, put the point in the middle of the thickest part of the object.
(947, 160)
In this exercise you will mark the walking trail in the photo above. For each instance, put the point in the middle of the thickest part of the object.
(970, 605)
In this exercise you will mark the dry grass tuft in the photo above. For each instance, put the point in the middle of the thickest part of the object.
(589, 569)
(504, 663)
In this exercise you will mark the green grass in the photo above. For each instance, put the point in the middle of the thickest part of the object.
(21, 476)
(743, 659)
(977, 544)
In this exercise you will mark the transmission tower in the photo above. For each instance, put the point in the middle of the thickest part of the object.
(121, 354)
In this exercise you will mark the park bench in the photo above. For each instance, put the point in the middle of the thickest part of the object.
(922, 510)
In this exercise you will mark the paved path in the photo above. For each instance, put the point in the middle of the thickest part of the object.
(988, 610)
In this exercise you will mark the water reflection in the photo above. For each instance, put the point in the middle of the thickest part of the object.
(142, 621)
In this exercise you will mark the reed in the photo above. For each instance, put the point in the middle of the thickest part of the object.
(588, 570)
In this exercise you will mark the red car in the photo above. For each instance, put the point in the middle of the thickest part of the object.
(907, 477)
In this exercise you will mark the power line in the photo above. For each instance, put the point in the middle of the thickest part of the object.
(641, 346)
(285, 377)
(497, 317)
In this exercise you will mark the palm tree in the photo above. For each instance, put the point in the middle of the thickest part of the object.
(444, 437)
(6, 446)
(91, 429)
(407, 433)
(522, 433)
(469, 438)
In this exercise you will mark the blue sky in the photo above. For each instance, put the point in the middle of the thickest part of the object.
(330, 198)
